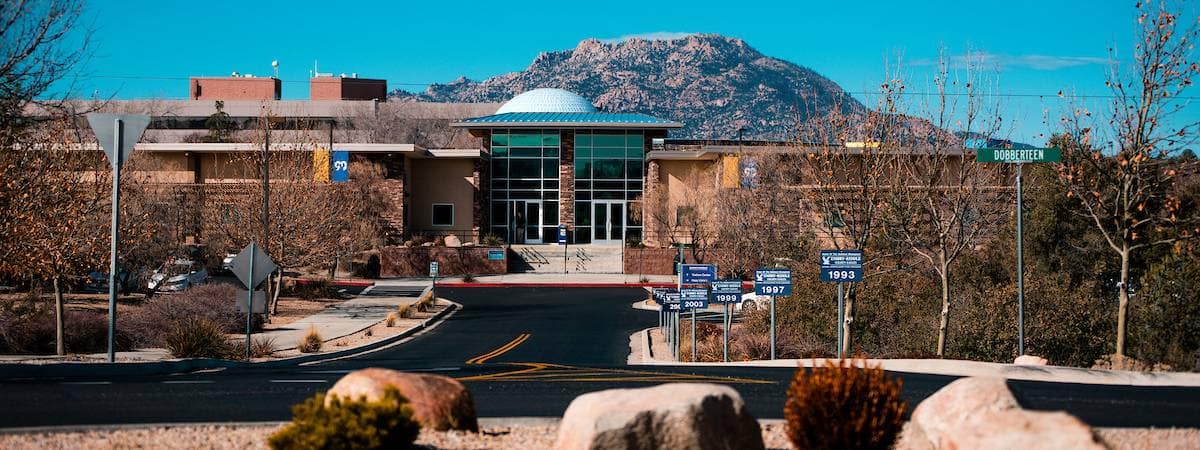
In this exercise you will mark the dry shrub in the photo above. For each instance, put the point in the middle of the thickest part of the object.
(161, 315)
(311, 342)
(390, 321)
(27, 327)
(262, 347)
(386, 423)
(197, 338)
(843, 405)
(406, 311)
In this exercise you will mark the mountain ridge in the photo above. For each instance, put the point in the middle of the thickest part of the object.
(718, 86)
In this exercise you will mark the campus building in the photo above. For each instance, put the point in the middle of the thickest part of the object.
(516, 170)
(553, 159)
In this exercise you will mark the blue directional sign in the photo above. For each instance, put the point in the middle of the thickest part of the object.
(698, 273)
(773, 282)
(339, 166)
(727, 291)
(693, 298)
(669, 300)
(841, 266)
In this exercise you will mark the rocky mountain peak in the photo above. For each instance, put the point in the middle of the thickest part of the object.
(714, 84)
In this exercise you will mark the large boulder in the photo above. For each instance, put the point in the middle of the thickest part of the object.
(438, 402)
(452, 241)
(676, 416)
(1030, 360)
(981, 413)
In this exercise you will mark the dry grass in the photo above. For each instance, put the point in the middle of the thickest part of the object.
(844, 405)
(390, 321)
(406, 311)
(311, 342)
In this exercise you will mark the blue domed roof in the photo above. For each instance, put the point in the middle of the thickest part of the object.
(547, 100)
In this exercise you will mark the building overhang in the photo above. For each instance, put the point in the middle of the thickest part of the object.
(242, 147)
(597, 120)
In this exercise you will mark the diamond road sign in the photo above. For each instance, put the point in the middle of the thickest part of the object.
(263, 266)
(105, 128)
(1018, 155)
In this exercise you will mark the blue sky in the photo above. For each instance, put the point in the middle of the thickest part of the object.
(1040, 47)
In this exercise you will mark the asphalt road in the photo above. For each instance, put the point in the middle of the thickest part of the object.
(521, 352)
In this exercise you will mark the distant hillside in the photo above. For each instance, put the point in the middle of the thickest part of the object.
(715, 85)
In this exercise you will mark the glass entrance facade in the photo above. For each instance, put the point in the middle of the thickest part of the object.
(524, 185)
(609, 168)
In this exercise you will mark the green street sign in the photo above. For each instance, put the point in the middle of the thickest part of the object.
(1018, 155)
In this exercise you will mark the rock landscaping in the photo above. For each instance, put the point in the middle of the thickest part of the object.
(675, 416)
(438, 402)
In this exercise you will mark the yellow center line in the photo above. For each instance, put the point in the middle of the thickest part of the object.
(548, 372)
(499, 351)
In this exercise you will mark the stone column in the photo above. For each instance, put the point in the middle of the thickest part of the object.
(650, 199)
(395, 217)
(566, 180)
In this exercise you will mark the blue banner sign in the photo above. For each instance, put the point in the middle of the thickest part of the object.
(727, 291)
(698, 273)
(841, 266)
(773, 282)
(562, 234)
(496, 255)
(339, 166)
(693, 298)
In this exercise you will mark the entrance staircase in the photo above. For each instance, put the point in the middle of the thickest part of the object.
(548, 258)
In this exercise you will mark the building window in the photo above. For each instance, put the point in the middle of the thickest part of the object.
(443, 215)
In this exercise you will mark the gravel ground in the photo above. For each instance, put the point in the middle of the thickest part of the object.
(255, 437)
(497, 437)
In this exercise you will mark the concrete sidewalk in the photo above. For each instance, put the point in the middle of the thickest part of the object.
(336, 321)
(650, 348)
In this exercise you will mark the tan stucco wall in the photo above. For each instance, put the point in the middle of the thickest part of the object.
(685, 183)
(441, 181)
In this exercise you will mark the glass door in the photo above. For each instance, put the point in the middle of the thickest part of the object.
(608, 219)
(533, 220)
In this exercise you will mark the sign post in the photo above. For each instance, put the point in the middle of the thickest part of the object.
(772, 282)
(433, 273)
(841, 266)
(693, 298)
(1019, 157)
(251, 266)
(562, 240)
(726, 292)
(117, 141)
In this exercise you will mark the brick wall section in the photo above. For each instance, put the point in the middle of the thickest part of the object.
(234, 88)
(479, 198)
(414, 261)
(484, 167)
(338, 88)
(661, 261)
(395, 217)
(566, 181)
(650, 227)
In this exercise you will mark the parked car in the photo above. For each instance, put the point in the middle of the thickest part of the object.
(750, 302)
(227, 262)
(177, 275)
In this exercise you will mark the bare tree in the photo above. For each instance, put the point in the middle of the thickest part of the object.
(38, 50)
(310, 223)
(1127, 190)
(941, 201)
(845, 179)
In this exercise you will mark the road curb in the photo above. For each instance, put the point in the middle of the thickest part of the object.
(66, 370)
(554, 285)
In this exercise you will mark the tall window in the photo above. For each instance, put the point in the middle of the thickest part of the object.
(608, 166)
(524, 169)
